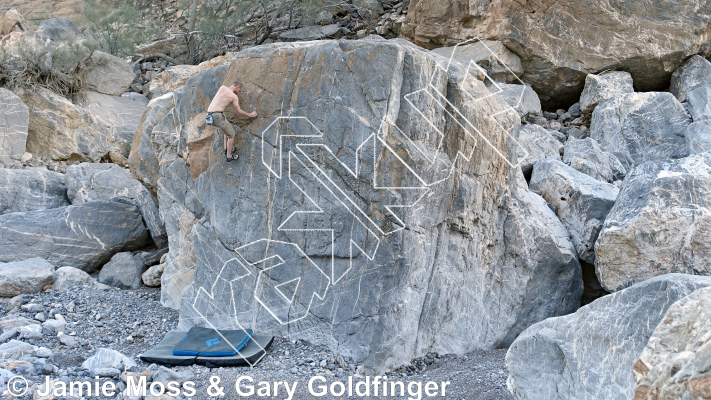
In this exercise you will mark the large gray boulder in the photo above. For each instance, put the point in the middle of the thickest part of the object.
(26, 276)
(471, 249)
(639, 127)
(84, 236)
(31, 189)
(539, 143)
(590, 354)
(581, 201)
(699, 101)
(674, 364)
(698, 137)
(586, 156)
(499, 62)
(694, 73)
(108, 74)
(58, 29)
(14, 119)
(661, 223)
(123, 271)
(101, 181)
(521, 97)
(67, 278)
(122, 113)
(560, 43)
(606, 86)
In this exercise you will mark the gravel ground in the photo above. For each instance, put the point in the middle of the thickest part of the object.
(133, 321)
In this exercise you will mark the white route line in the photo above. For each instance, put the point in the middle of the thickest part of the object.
(364, 219)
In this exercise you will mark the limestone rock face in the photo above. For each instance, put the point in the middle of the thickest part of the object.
(694, 73)
(87, 131)
(474, 223)
(660, 223)
(123, 271)
(123, 114)
(83, 236)
(14, 119)
(586, 156)
(26, 276)
(599, 88)
(91, 181)
(176, 76)
(59, 28)
(674, 365)
(698, 137)
(60, 130)
(540, 144)
(499, 62)
(590, 354)
(31, 189)
(639, 127)
(582, 202)
(108, 74)
(67, 278)
(699, 101)
(561, 42)
(521, 97)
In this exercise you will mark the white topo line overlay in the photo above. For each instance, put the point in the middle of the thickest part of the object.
(270, 293)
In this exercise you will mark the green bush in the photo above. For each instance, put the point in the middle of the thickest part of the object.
(117, 25)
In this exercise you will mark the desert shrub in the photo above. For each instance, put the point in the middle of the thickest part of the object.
(117, 24)
(57, 65)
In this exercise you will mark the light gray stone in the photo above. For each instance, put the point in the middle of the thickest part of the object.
(107, 358)
(310, 33)
(15, 349)
(30, 190)
(123, 271)
(66, 278)
(92, 181)
(660, 224)
(14, 120)
(692, 74)
(619, 172)
(53, 326)
(698, 137)
(476, 246)
(521, 97)
(539, 143)
(108, 74)
(500, 63)
(581, 201)
(640, 127)
(122, 113)
(13, 321)
(152, 275)
(31, 331)
(165, 375)
(586, 156)
(675, 363)
(599, 88)
(590, 354)
(699, 106)
(59, 29)
(84, 236)
(27, 276)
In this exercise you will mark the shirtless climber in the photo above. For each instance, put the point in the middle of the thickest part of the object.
(224, 96)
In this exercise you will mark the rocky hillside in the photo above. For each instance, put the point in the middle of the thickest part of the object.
(542, 188)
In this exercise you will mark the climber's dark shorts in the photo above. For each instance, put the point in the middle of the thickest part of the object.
(220, 121)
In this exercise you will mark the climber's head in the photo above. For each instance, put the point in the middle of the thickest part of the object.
(236, 86)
